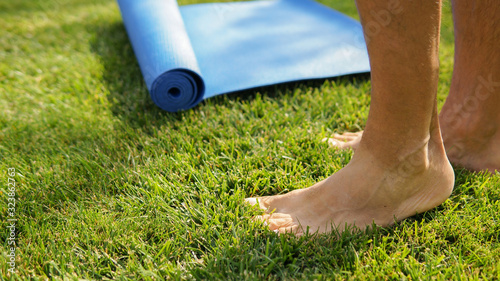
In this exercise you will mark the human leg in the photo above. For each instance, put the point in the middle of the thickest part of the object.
(470, 118)
(400, 167)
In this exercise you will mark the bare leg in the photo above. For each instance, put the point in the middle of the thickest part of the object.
(400, 167)
(470, 118)
(471, 115)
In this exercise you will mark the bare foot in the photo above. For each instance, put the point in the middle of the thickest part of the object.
(470, 127)
(345, 141)
(362, 193)
(396, 172)
(471, 134)
(472, 140)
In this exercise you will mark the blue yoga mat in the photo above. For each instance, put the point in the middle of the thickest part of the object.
(195, 52)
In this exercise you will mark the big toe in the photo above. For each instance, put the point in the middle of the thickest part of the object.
(257, 201)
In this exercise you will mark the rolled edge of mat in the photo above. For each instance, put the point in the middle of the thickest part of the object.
(163, 49)
(177, 89)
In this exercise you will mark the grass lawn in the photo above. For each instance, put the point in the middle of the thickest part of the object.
(108, 186)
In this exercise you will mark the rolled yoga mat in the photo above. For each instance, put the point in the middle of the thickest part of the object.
(194, 52)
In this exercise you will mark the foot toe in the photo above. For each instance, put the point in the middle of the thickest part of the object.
(334, 142)
(344, 137)
(295, 229)
(357, 134)
(251, 201)
(278, 222)
(260, 201)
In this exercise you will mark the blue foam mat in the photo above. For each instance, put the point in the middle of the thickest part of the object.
(194, 52)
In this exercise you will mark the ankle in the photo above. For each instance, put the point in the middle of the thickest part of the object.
(467, 131)
(408, 157)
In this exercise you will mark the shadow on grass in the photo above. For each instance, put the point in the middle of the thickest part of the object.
(122, 76)
(130, 98)
(265, 255)
(277, 90)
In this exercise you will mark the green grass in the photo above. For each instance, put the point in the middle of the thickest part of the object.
(109, 186)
